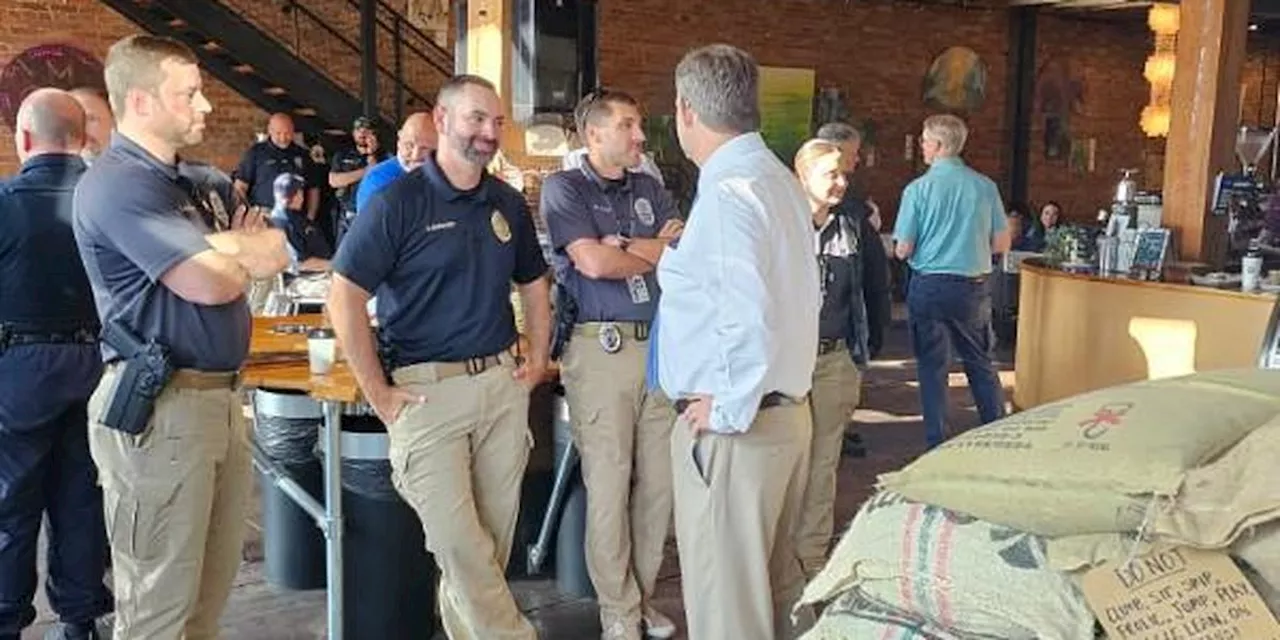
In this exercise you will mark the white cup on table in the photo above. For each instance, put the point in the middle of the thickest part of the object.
(322, 350)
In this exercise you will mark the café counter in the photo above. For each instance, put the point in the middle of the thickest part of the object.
(1079, 332)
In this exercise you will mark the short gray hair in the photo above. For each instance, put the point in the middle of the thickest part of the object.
(839, 133)
(949, 131)
(721, 83)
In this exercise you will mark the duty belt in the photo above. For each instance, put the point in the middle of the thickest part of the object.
(11, 336)
(609, 334)
(769, 401)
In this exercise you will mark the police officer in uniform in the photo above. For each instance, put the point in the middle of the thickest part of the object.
(608, 224)
(309, 250)
(49, 366)
(441, 247)
(348, 169)
(256, 174)
(842, 342)
(175, 482)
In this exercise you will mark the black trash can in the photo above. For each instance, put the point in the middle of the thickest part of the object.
(286, 426)
(389, 579)
(571, 534)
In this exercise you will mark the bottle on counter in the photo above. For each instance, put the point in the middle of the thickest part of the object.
(1251, 267)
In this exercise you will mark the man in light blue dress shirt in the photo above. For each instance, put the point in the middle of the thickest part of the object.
(736, 349)
(950, 222)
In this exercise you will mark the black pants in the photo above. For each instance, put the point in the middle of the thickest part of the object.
(46, 469)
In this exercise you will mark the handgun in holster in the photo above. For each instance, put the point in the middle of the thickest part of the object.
(146, 370)
(566, 312)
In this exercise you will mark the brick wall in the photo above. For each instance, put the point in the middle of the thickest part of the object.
(91, 26)
(877, 54)
(1106, 58)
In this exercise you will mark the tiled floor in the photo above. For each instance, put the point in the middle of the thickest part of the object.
(890, 426)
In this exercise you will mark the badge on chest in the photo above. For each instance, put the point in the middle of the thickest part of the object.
(501, 230)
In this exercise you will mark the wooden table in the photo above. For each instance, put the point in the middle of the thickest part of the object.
(278, 361)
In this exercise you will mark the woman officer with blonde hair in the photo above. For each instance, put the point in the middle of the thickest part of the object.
(842, 346)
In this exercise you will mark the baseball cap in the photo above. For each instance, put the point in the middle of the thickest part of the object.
(363, 122)
(287, 185)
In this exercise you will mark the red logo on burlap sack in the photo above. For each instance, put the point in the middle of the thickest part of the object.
(1107, 416)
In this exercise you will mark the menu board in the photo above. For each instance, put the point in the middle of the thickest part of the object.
(1178, 593)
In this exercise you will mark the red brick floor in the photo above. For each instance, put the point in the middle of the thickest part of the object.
(888, 420)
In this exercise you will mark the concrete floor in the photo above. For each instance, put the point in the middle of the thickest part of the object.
(888, 420)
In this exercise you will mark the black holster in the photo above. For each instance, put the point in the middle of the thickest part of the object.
(566, 318)
(143, 376)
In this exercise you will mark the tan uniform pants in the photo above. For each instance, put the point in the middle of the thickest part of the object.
(837, 386)
(458, 459)
(737, 506)
(623, 433)
(175, 500)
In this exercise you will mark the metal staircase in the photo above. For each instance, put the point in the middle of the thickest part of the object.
(303, 57)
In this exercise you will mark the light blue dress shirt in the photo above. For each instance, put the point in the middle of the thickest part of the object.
(740, 297)
(949, 214)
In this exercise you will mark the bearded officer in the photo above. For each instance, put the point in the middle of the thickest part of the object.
(441, 246)
(608, 225)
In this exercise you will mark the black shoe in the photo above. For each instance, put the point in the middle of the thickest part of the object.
(853, 446)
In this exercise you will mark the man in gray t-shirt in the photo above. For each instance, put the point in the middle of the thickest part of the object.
(157, 270)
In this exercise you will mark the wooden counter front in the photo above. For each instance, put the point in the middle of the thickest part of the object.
(1079, 332)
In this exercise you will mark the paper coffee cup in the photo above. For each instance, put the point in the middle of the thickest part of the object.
(322, 350)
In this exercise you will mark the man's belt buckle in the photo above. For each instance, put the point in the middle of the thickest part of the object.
(610, 337)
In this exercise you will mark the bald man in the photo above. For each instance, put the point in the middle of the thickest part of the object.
(266, 160)
(98, 121)
(417, 138)
(49, 366)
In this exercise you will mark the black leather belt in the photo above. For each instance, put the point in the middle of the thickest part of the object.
(13, 337)
(770, 400)
(827, 345)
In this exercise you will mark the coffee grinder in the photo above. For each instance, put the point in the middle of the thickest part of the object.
(1240, 196)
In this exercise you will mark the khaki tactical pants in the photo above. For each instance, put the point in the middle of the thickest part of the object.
(458, 459)
(837, 386)
(623, 433)
(737, 506)
(175, 500)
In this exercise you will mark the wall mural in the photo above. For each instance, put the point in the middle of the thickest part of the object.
(956, 81)
(46, 65)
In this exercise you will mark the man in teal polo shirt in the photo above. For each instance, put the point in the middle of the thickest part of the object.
(950, 222)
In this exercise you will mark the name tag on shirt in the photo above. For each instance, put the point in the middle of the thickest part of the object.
(638, 288)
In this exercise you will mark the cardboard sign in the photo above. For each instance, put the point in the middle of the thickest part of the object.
(1178, 593)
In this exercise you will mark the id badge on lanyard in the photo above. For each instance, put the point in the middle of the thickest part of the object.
(638, 288)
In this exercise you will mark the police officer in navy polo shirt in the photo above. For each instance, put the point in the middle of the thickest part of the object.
(608, 224)
(349, 167)
(176, 486)
(441, 247)
(279, 153)
(49, 366)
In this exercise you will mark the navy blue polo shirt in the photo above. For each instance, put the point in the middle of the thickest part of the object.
(441, 262)
(129, 238)
(264, 161)
(348, 160)
(43, 286)
(579, 203)
(216, 190)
